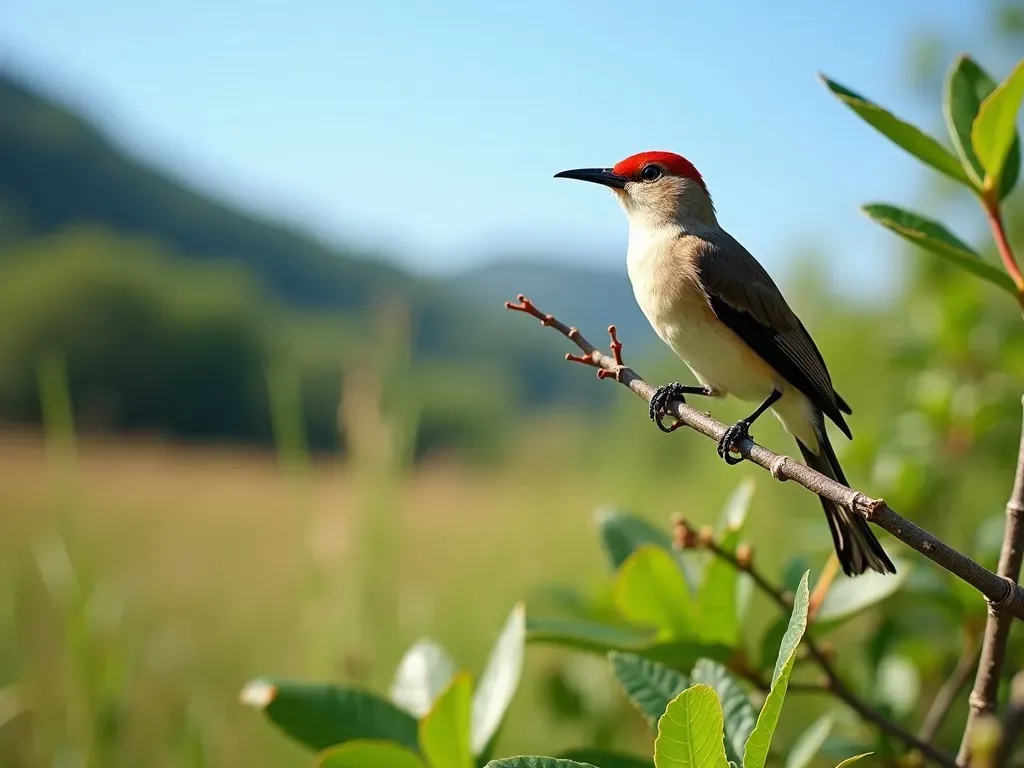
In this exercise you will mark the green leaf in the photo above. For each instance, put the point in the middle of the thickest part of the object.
(690, 732)
(606, 758)
(621, 533)
(995, 128)
(912, 139)
(444, 731)
(810, 741)
(848, 597)
(535, 761)
(739, 713)
(718, 604)
(650, 591)
(967, 86)
(587, 635)
(424, 671)
(853, 759)
(683, 654)
(369, 754)
(756, 751)
(718, 599)
(500, 680)
(321, 716)
(649, 685)
(934, 237)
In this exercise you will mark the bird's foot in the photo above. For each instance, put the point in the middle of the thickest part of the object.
(731, 439)
(658, 409)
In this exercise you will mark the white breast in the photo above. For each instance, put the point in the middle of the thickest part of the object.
(669, 293)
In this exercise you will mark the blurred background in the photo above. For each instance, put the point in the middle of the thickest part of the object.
(262, 411)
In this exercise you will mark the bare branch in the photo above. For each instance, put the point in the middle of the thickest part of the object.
(947, 694)
(997, 627)
(1002, 591)
(1013, 721)
(685, 537)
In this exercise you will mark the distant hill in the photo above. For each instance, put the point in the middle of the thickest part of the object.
(58, 169)
(591, 299)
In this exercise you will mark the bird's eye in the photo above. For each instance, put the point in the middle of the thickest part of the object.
(650, 173)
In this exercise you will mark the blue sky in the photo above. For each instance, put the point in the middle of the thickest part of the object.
(432, 129)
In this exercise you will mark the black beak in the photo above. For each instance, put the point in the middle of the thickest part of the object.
(597, 175)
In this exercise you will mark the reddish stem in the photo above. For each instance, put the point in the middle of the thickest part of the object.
(995, 220)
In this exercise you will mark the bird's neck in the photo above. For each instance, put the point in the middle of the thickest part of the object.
(652, 242)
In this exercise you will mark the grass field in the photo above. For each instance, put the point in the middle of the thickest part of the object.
(206, 567)
(225, 567)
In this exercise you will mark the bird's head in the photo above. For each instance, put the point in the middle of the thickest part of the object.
(655, 189)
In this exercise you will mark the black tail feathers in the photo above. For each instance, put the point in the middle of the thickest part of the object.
(856, 546)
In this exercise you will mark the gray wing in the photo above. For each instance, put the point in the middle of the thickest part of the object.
(744, 297)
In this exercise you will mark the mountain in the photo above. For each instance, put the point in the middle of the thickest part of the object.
(59, 170)
(590, 299)
(56, 168)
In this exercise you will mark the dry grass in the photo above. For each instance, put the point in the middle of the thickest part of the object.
(211, 548)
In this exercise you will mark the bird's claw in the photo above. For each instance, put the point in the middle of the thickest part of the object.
(731, 439)
(658, 409)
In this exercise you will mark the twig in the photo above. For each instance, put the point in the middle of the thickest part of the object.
(685, 536)
(997, 627)
(1002, 592)
(1013, 721)
(947, 694)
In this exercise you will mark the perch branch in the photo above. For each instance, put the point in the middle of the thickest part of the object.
(1002, 591)
(686, 536)
(997, 628)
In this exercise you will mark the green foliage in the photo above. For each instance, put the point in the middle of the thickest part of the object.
(719, 604)
(622, 533)
(649, 685)
(691, 730)
(967, 86)
(755, 752)
(321, 716)
(995, 128)
(444, 730)
(934, 237)
(982, 121)
(740, 715)
(606, 758)
(912, 139)
(650, 590)
(442, 719)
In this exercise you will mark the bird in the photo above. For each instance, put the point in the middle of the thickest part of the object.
(721, 313)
